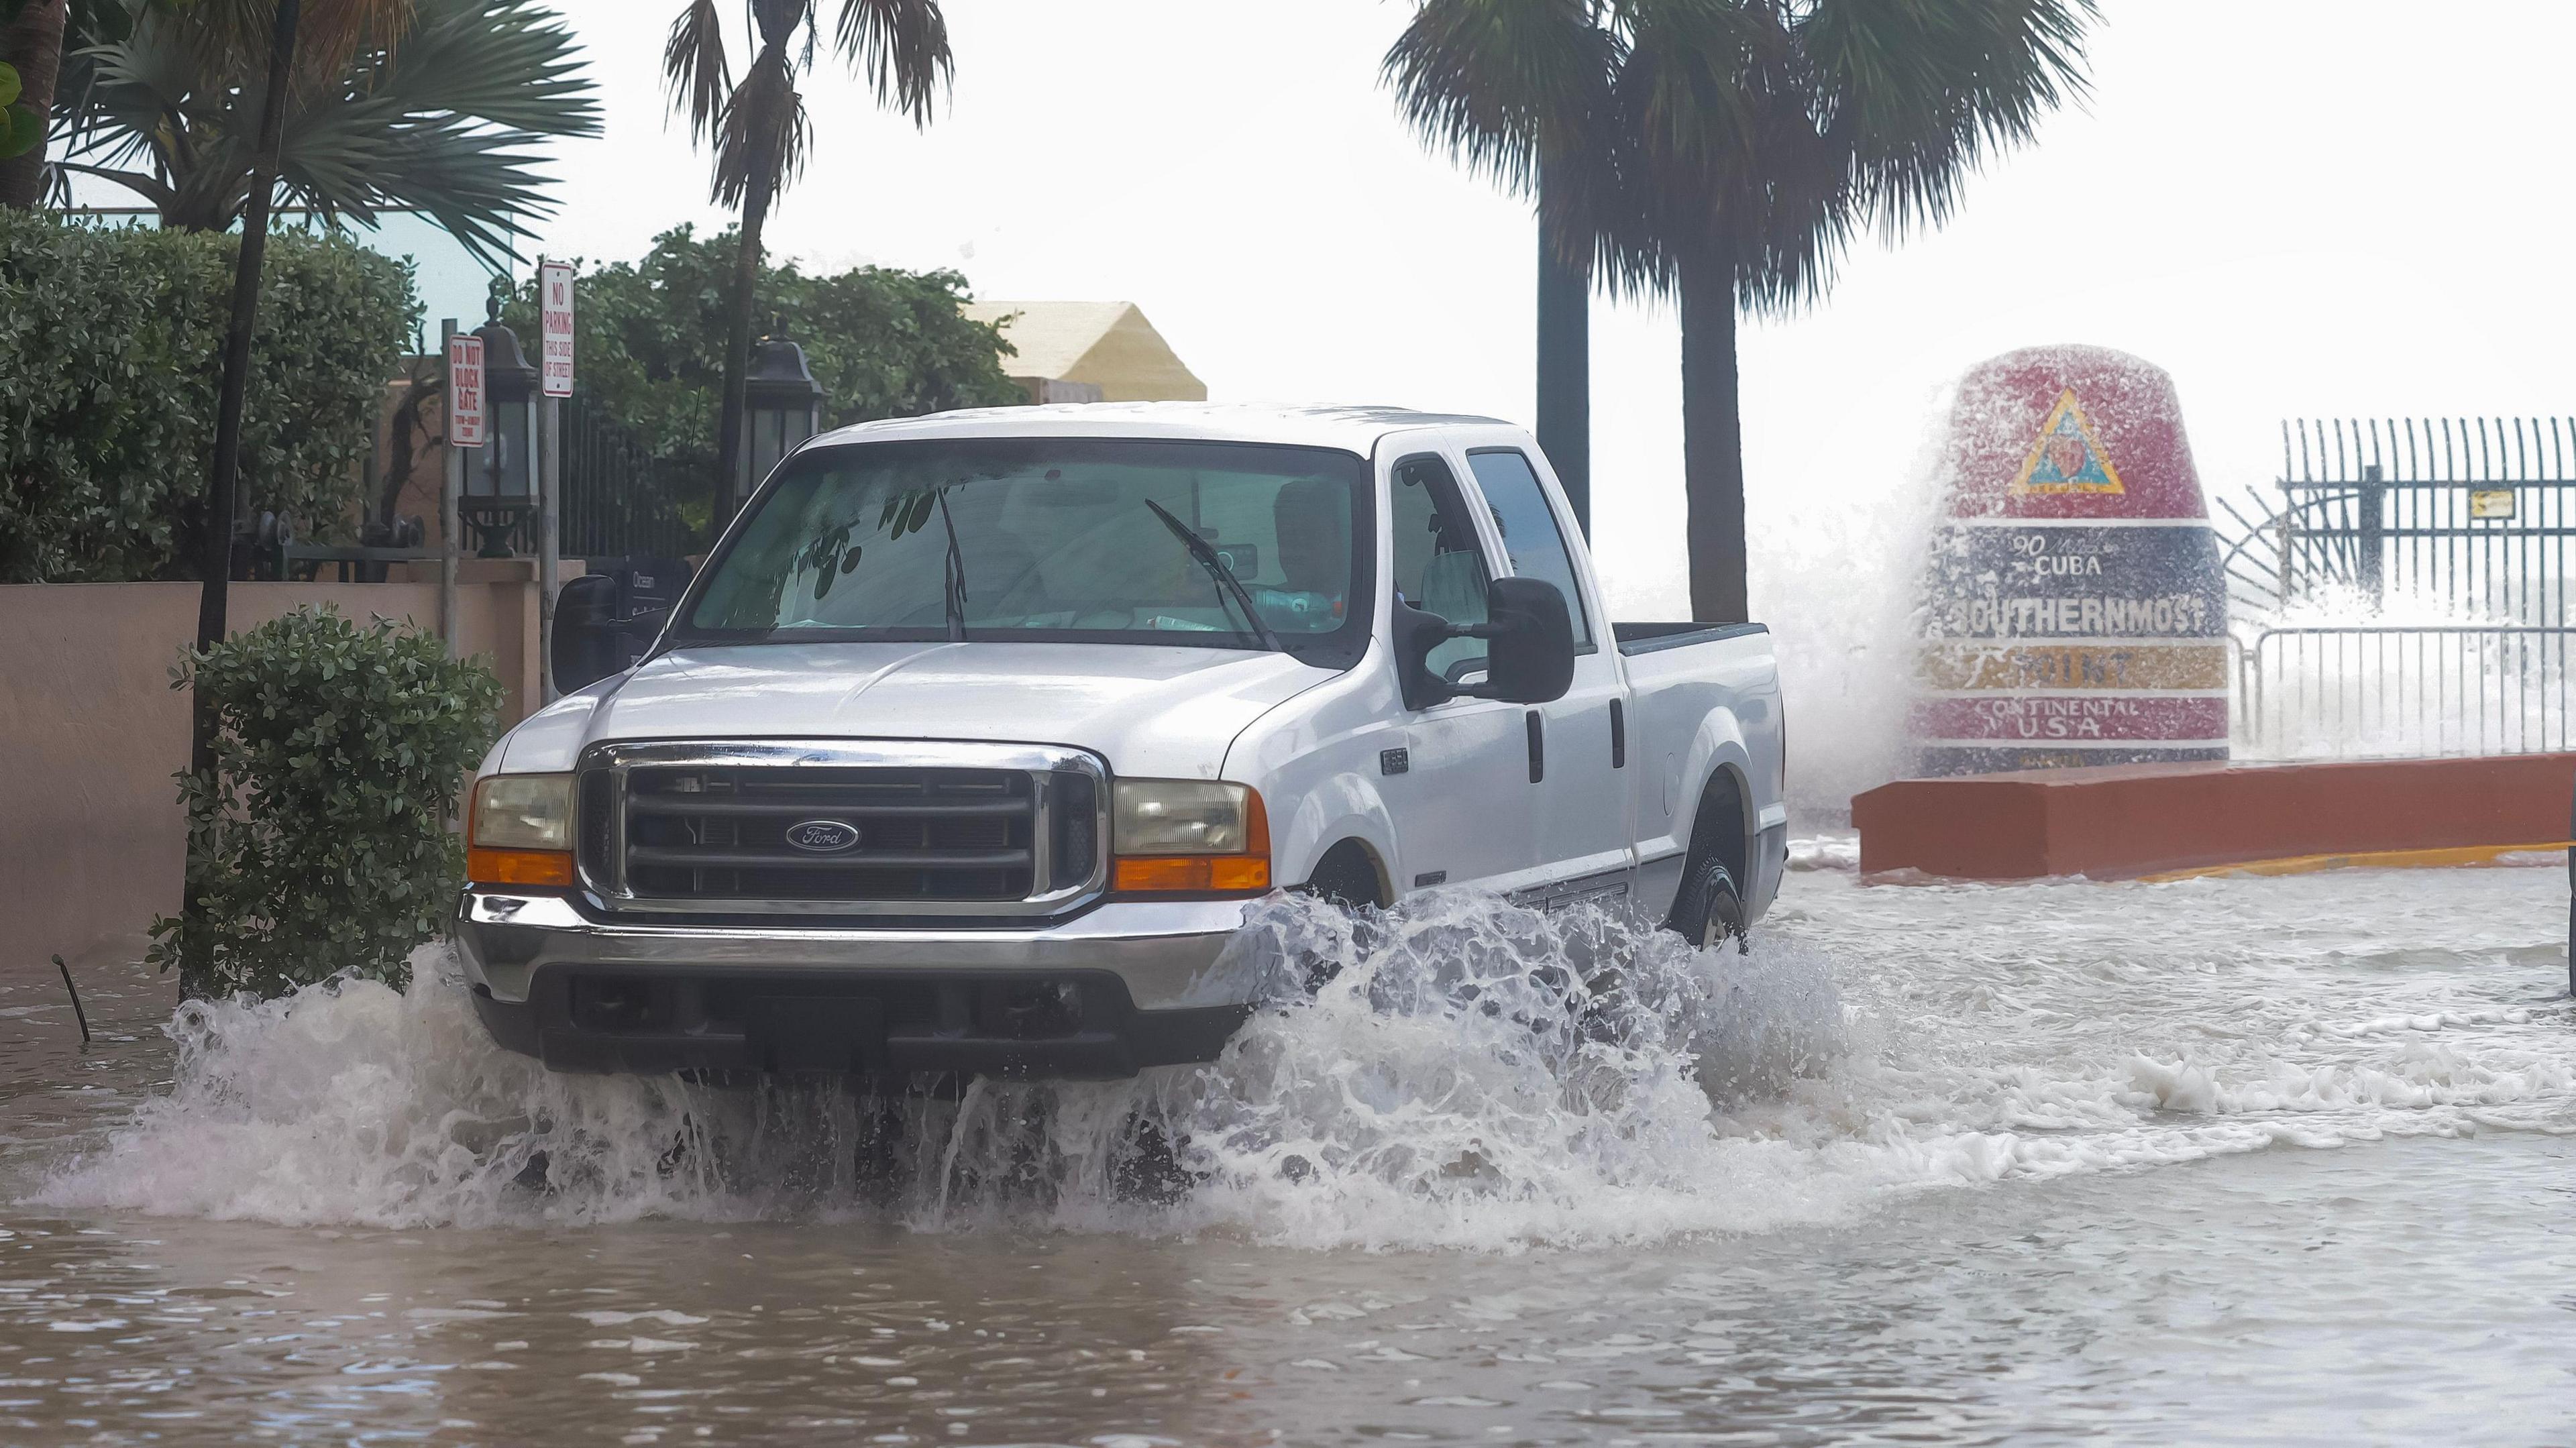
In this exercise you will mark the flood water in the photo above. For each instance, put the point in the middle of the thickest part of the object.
(2248, 1160)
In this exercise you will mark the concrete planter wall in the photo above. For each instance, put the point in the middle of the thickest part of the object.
(92, 841)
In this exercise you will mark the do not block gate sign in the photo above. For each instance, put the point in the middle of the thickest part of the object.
(554, 311)
(465, 390)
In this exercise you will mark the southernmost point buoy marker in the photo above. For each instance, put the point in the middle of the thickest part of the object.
(2077, 614)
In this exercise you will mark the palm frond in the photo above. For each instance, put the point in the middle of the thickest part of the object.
(332, 33)
(693, 62)
(477, 184)
(762, 133)
(1503, 85)
(901, 46)
(1933, 91)
(236, 34)
(141, 183)
(442, 120)
(1771, 133)
(509, 63)
(1686, 101)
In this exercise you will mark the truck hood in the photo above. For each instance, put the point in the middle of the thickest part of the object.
(1152, 711)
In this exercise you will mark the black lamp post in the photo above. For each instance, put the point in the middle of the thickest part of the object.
(500, 479)
(782, 406)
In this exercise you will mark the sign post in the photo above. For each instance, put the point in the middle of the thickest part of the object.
(465, 424)
(554, 313)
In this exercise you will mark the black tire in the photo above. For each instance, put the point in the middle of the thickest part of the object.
(1346, 880)
(1711, 908)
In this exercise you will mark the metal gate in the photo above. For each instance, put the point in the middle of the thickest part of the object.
(2407, 593)
(616, 504)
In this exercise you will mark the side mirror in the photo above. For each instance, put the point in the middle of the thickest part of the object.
(1530, 653)
(606, 620)
(588, 644)
(1532, 642)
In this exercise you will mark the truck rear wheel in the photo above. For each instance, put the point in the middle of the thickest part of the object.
(1711, 908)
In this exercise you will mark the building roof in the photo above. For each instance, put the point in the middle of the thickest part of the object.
(1354, 429)
(1107, 344)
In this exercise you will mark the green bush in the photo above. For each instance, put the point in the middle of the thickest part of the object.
(321, 845)
(882, 342)
(111, 342)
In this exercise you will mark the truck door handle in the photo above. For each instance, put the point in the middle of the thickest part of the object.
(1537, 746)
(1618, 736)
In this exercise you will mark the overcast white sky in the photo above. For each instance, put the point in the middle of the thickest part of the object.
(2296, 206)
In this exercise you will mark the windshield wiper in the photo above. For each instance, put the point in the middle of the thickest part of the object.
(1227, 584)
(952, 574)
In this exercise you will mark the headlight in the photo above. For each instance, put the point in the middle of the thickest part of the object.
(1190, 835)
(1182, 817)
(520, 830)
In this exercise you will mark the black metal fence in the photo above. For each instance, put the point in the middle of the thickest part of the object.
(615, 502)
(2474, 511)
(2405, 589)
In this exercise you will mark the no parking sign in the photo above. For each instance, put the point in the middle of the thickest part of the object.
(554, 312)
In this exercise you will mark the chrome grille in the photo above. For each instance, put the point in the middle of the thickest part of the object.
(915, 834)
(841, 828)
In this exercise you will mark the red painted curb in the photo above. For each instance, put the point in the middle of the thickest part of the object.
(2122, 821)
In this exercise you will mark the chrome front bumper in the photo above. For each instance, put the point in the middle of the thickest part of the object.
(1151, 982)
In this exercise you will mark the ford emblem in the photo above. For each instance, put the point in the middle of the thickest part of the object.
(823, 837)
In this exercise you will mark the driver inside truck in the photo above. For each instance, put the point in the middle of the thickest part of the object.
(1311, 521)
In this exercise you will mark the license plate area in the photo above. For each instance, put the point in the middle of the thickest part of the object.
(825, 1033)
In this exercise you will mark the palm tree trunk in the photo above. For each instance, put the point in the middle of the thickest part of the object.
(1712, 437)
(34, 44)
(738, 317)
(737, 364)
(1565, 368)
(196, 972)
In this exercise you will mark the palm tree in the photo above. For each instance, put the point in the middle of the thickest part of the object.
(1519, 90)
(439, 110)
(760, 135)
(1744, 142)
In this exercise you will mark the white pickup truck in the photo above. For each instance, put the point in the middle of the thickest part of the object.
(977, 734)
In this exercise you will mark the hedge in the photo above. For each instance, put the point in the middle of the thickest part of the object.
(111, 343)
(320, 846)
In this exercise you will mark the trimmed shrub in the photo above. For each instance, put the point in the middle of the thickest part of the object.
(321, 846)
(111, 348)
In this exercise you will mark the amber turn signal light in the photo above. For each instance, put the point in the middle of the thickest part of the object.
(1192, 874)
(548, 868)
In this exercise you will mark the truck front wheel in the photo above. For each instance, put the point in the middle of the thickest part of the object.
(1345, 877)
(1711, 908)
(1347, 880)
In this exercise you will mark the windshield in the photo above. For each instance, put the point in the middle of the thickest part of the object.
(1077, 540)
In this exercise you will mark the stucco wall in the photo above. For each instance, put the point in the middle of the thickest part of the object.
(91, 836)
(2122, 821)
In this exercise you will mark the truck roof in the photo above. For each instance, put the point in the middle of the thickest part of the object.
(1356, 429)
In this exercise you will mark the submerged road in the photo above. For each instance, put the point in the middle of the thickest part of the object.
(2261, 1161)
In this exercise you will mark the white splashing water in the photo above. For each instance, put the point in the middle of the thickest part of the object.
(1456, 1084)
(1457, 1081)
(2337, 673)
(1837, 569)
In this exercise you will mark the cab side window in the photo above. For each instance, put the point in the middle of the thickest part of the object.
(1531, 537)
(1438, 567)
